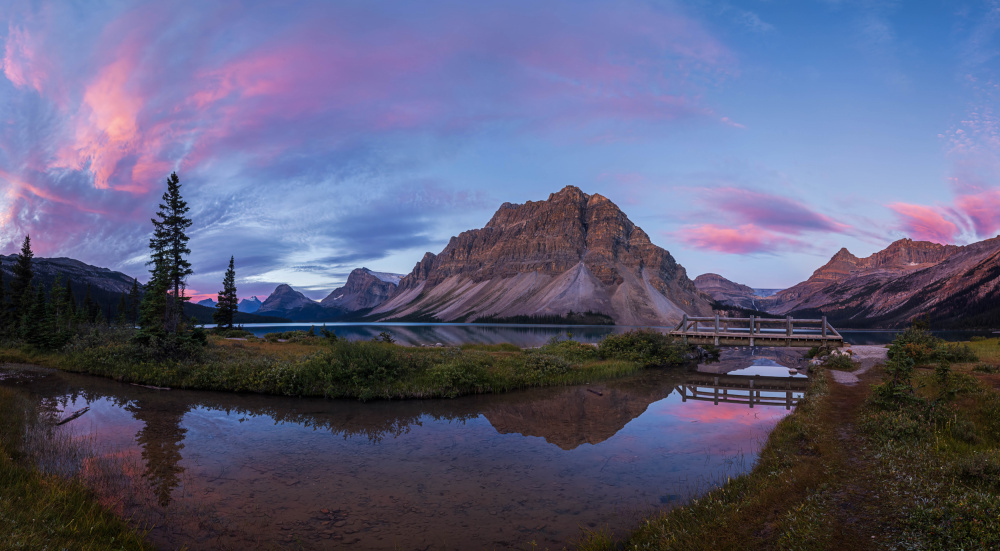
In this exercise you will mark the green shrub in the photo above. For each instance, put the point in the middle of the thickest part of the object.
(462, 376)
(645, 346)
(543, 365)
(234, 333)
(571, 350)
(840, 361)
(986, 368)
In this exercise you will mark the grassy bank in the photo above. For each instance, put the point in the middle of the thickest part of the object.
(312, 365)
(908, 459)
(44, 511)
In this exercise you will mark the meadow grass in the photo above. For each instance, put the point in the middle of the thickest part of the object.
(316, 366)
(41, 510)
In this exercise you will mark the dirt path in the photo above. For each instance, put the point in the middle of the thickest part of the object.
(868, 356)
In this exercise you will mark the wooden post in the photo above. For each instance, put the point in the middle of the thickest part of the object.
(824, 327)
(716, 329)
(752, 323)
(684, 328)
(788, 321)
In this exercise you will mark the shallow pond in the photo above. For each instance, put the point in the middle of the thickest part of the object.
(214, 470)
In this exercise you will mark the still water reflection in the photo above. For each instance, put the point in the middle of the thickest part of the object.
(215, 470)
(530, 335)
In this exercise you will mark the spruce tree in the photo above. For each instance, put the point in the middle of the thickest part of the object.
(60, 312)
(168, 248)
(133, 303)
(228, 302)
(70, 298)
(4, 317)
(121, 314)
(89, 306)
(22, 293)
(36, 320)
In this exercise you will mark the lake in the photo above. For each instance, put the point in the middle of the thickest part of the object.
(453, 334)
(215, 470)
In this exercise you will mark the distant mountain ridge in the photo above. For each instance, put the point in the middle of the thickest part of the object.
(249, 305)
(955, 286)
(727, 292)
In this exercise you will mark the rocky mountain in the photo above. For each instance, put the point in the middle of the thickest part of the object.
(209, 303)
(79, 273)
(953, 285)
(727, 292)
(572, 252)
(249, 305)
(106, 286)
(284, 298)
(364, 289)
(288, 303)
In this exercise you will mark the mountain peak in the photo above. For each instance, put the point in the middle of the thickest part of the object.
(569, 192)
(284, 298)
(364, 289)
(572, 251)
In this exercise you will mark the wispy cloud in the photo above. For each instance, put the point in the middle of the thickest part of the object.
(925, 223)
(740, 220)
(744, 239)
(289, 106)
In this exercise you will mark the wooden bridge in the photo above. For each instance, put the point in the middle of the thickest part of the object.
(750, 390)
(757, 331)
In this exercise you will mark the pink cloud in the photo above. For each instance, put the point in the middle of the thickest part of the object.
(745, 239)
(774, 212)
(144, 102)
(982, 209)
(925, 223)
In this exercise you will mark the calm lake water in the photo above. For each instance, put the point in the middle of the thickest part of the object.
(417, 334)
(215, 470)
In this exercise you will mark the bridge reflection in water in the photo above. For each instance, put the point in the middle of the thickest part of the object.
(743, 389)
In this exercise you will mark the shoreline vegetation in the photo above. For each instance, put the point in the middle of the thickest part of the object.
(43, 510)
(907, 459)
(318, 364)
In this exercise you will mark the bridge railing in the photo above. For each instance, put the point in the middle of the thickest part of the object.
(755, 326)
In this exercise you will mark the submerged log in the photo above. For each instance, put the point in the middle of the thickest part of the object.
(73, 416)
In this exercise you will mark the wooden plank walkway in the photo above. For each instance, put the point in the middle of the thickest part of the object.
(756, 331)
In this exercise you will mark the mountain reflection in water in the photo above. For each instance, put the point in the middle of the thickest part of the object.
(496, 471)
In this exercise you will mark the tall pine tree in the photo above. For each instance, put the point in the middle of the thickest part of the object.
(226, 309)
(168, 248)
(133, 303)
(22, 293)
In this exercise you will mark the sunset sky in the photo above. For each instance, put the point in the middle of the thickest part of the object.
(750, 138)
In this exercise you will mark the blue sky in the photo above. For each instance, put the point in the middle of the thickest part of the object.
(753, 139)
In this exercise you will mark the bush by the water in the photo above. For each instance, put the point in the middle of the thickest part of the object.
(842, 362)
(644, 346)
